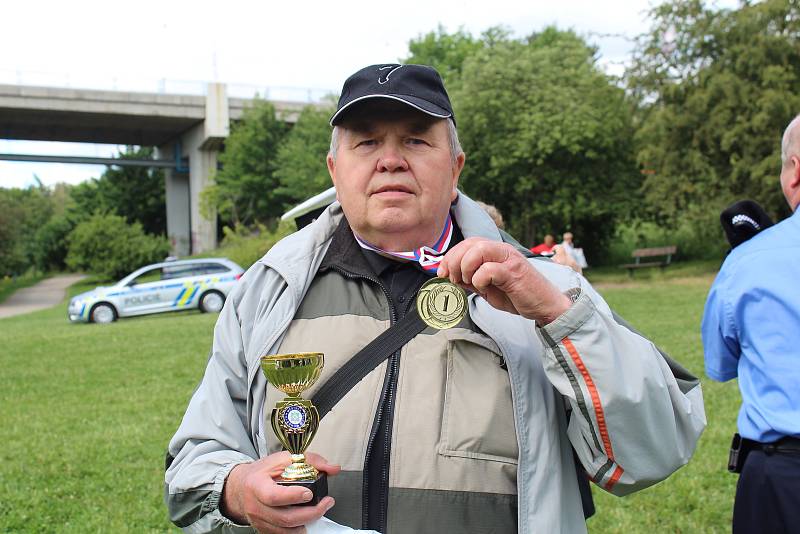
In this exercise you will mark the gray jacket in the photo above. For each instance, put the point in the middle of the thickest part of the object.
(634, 417)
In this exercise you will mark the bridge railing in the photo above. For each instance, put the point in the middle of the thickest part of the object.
(161, 86)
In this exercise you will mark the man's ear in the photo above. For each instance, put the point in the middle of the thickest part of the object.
(331, 168)
(332, 171)
(794, 181)
(458, 166)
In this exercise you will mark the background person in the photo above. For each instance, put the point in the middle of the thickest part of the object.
(566, 241)
(749, 329)
(468, 429)
(494, 213)
(558, 254)
(575, 253)
(545, 248)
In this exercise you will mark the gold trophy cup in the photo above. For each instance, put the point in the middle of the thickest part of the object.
(295, 420)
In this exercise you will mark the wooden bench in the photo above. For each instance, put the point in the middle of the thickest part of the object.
(656, 252)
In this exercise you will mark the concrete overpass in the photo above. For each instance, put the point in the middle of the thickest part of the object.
(183, 128)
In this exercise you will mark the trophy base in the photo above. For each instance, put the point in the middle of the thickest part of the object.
(318, 486)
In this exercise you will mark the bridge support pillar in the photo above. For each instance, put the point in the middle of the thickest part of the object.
(179, 228)
(190, 229)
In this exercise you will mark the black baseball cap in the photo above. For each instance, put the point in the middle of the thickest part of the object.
(418, 86)
(743, 220)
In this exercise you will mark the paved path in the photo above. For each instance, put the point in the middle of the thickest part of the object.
(45, 294)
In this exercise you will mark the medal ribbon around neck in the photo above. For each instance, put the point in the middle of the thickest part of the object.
(428, 257)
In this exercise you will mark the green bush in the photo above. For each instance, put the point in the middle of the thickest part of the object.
(22, 211)
(695, 241)
(108, 246)
(246, 245)
(50, 246)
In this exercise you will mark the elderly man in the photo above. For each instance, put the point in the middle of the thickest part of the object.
(750, 327)
(463, 429)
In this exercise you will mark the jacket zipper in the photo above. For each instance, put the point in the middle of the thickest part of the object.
(394, 363)
(392, 372)
(387, 399)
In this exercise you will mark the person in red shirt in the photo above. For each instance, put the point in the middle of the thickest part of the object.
(545, 248)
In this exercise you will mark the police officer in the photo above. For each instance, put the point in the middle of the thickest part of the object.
(750, 330)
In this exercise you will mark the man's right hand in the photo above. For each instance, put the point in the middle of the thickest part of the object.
(252, 497)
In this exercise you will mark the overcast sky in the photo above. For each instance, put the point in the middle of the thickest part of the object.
(288, 46)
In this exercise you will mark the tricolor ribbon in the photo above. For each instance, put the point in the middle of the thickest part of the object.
(428, 257)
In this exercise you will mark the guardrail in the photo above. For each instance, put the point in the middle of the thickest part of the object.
(160, 86)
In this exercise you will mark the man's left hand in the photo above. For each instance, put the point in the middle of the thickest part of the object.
(505, 278)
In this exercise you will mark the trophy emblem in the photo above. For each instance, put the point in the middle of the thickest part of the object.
(295, 420)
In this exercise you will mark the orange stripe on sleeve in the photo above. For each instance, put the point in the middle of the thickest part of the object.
(598, 408)
(614, 478)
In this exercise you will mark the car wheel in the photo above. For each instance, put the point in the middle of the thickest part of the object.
(103, 313)
(211, 302)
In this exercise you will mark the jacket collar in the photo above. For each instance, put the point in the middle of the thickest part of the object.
(345, 253)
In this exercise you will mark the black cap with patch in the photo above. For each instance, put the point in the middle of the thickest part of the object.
(418, 86)
(742, 220)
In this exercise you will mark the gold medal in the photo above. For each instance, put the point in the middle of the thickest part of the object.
(441, 304)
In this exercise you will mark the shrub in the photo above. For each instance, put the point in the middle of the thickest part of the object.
(50, 245)
(245, 246)
(21, 213)
(704, 241)
(108, 246)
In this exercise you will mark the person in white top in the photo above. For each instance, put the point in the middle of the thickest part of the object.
(575, 253)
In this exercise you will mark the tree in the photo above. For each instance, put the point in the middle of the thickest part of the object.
(548, 137)
(446, 52)
(246, 188)
(22, 212)
(51, 243)
(12, 253)
(300, 163)
(716, 89)
(105, 244)
(135, 193)
(443, 51)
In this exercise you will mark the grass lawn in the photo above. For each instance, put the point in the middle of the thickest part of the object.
(86, 412)
(699, 497)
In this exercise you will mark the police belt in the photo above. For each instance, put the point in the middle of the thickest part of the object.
(741, 447)
(786, 445)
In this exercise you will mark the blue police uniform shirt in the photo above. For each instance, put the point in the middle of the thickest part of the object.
(751, 329)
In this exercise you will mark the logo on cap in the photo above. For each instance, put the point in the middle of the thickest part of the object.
(384, 79)
(741, 218)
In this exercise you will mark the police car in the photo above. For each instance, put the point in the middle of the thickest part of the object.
(161, 287)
